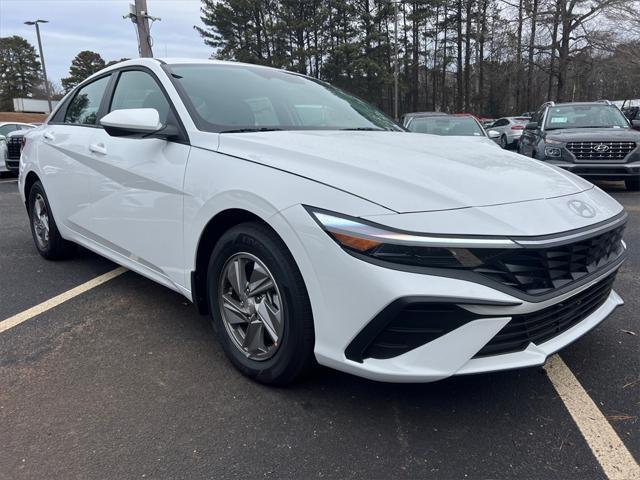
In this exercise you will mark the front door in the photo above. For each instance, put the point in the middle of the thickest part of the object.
(137, 204)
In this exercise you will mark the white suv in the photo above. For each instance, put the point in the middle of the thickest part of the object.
(312, 228)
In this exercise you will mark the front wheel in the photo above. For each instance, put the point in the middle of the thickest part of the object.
(44, 230)
(259, 305)
(503, 142)
(632, 184)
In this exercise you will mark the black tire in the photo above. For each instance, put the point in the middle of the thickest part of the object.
(632, 184)
(56, 248)
(503, 142)
(293, 356)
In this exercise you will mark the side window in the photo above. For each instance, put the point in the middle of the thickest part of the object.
(136, 89)
(537, 117)
(83, 109)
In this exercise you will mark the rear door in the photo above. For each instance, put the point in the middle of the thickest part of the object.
(138, 200)
(64, 157)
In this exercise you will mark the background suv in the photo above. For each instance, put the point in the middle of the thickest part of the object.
(593, 140)
(7, 128)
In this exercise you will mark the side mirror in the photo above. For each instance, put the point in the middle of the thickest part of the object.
(134, 122)
(635, 124)
(3, 138)
(531, 126)
(493, 134)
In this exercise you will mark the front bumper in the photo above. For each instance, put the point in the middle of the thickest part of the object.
(347, 293)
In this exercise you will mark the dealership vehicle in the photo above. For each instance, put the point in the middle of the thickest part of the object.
(14, 141)
(509, 129)
(337, 238)
(451, 126)
(591, 139)
(5, 129)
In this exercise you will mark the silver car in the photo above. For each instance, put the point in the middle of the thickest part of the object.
(510, 130)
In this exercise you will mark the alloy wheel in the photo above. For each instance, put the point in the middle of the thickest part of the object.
(41, 221)
(251, 306)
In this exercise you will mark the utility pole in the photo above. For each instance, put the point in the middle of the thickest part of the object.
(140, 17)
(44, 68)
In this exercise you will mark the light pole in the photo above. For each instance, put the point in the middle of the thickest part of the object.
(44, 69)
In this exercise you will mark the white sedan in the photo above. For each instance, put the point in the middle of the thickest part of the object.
(313, 229)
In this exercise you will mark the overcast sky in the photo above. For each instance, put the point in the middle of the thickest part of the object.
(97, 25)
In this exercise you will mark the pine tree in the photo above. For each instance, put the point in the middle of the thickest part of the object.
(85, 64)
(19, 70)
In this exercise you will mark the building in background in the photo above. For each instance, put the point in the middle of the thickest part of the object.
(32, 105)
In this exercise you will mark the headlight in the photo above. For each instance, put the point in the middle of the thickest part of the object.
(552, 152)
(361, 237)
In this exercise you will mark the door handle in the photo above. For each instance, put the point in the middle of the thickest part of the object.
(49, 136)
(98, 148)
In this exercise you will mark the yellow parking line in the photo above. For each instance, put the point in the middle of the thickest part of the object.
(614, 458)
(57, 300)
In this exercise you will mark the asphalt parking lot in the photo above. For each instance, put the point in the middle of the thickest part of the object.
(126, 380)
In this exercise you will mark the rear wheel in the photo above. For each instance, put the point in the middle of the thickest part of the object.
(632, 184)
(44, 230)
(259, 305)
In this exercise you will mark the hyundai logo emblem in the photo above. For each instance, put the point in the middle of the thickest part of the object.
(601, 148)
(580, 208)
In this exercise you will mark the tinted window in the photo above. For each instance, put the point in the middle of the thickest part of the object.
(5, 129)
(136, 89)
(449, 126)
(232, 97)
(83, 109)
(585, 116)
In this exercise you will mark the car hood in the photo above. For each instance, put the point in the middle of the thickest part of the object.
(594, 135)
(406, 172)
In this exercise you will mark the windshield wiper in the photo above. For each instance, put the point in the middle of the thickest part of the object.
(256, 129)
(365, 129)
(601, 126)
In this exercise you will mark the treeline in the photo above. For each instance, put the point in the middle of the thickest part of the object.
(21, 72)
(490, 57)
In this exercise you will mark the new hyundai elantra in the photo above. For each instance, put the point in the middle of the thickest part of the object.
(312, 228)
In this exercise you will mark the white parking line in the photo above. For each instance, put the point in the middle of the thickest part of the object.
(57, 300)
(614, 458)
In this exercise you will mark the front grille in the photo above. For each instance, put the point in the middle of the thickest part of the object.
(600, 151)
(14, 146)
(541, 326)
(537, 271)
(605, 171)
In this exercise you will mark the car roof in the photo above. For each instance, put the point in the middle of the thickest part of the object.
(567, 104)
(425, 114)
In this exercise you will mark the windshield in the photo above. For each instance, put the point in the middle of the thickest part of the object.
(455, 126)
(585, 116)
(242, 98)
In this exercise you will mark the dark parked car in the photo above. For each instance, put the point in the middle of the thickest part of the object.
(591, 139)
